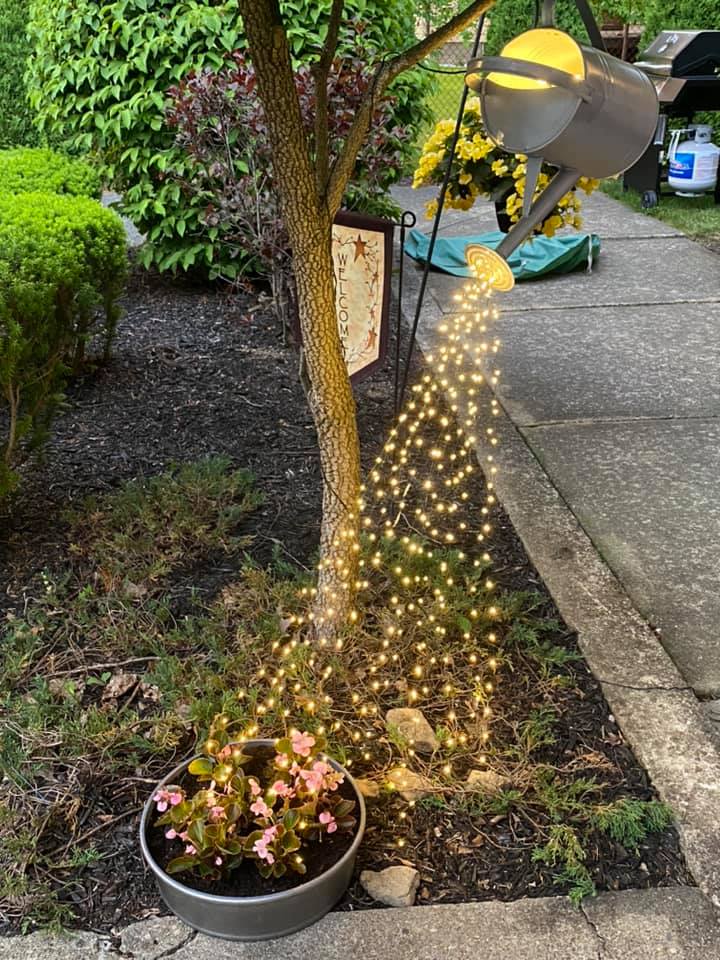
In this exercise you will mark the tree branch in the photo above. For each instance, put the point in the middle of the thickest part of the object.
(385, 74)
(321, 73)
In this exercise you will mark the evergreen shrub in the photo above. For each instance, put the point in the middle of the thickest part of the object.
(16, 127)
(40, 170)
(63, 264)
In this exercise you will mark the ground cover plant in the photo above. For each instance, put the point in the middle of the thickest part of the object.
(119, 656)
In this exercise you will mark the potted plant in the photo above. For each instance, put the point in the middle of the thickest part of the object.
(482, 169)
(253, 840)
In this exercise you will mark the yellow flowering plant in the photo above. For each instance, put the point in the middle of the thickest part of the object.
(482, 169)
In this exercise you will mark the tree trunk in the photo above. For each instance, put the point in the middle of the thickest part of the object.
(310, 196)
(309, 216)
(333, 409)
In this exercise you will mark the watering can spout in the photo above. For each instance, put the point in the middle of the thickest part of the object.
(491, 265)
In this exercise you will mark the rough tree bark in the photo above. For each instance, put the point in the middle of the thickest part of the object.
(311, 189)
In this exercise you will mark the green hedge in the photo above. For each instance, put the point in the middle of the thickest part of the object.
(100, 73)
(508, 18)
(28, 169)
(63, 265)
(16, 126)
(679, 15)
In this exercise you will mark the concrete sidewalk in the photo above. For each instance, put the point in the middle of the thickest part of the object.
(613, 381)
(670, 924)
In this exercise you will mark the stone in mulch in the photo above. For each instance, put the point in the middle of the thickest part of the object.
(413, 728)
(394, 886)
(486, 781)
(410, 785)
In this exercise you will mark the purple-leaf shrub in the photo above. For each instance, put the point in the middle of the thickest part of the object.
(267, 815)
(220, 123)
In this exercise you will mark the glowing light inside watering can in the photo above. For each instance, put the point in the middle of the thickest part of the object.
(577, 108)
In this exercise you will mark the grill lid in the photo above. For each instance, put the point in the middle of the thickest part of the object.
(682, 53)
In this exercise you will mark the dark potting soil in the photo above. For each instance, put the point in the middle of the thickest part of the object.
(196, 373)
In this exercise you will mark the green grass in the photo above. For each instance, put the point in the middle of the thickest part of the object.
(443, 103)
(697, 217)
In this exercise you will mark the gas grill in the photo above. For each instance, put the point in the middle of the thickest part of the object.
(684, 66)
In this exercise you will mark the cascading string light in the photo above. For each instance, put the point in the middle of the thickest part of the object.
(413, 508)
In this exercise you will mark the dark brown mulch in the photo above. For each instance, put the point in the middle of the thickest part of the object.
(196, 374)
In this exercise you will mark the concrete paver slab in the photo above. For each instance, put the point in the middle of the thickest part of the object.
(647, 494)
(612, 220)
(610, 363)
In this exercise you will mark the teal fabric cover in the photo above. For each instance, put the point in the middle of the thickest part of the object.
(534, 258)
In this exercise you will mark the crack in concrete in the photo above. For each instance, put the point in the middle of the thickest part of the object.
(601, 942)
(630, 686)
(188, 940)
(119, 952)
(591, 421)
(622, 304)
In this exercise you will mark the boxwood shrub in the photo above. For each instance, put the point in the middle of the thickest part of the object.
(63, 264)
(27, 170)
(99, 77)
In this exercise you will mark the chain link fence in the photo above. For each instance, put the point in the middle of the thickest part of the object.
(447, 68)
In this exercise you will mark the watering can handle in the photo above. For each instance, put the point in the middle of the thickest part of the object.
(527, 68)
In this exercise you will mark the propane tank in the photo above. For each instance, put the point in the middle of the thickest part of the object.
(693, 164)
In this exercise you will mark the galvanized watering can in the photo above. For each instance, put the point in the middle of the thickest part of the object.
(575, 107)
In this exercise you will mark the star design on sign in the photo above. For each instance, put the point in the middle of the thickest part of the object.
(360, 245)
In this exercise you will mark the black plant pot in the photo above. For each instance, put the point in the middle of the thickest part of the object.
(503, 218)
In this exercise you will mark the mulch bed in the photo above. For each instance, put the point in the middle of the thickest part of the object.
(196, 373)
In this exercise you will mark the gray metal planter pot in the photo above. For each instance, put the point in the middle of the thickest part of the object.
(254, 918)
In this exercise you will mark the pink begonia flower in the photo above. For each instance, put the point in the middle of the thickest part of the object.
(302, 743)
(164, 798)
(224, 753)
(218, 861)
(295, 769)
(183, 836)
(282, 789)
(170, 834)
(260, 847)
(261, 809)
(329, 820)
(255, 788)
(313, 780)
(217, 813)
(190, 849)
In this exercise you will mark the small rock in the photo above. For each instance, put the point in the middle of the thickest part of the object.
(395, 886)
(410, 786)
(485, 781)
(368, 788)
(153, 938)
(413, 727)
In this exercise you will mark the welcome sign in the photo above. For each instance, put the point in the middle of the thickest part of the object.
(362, 260)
